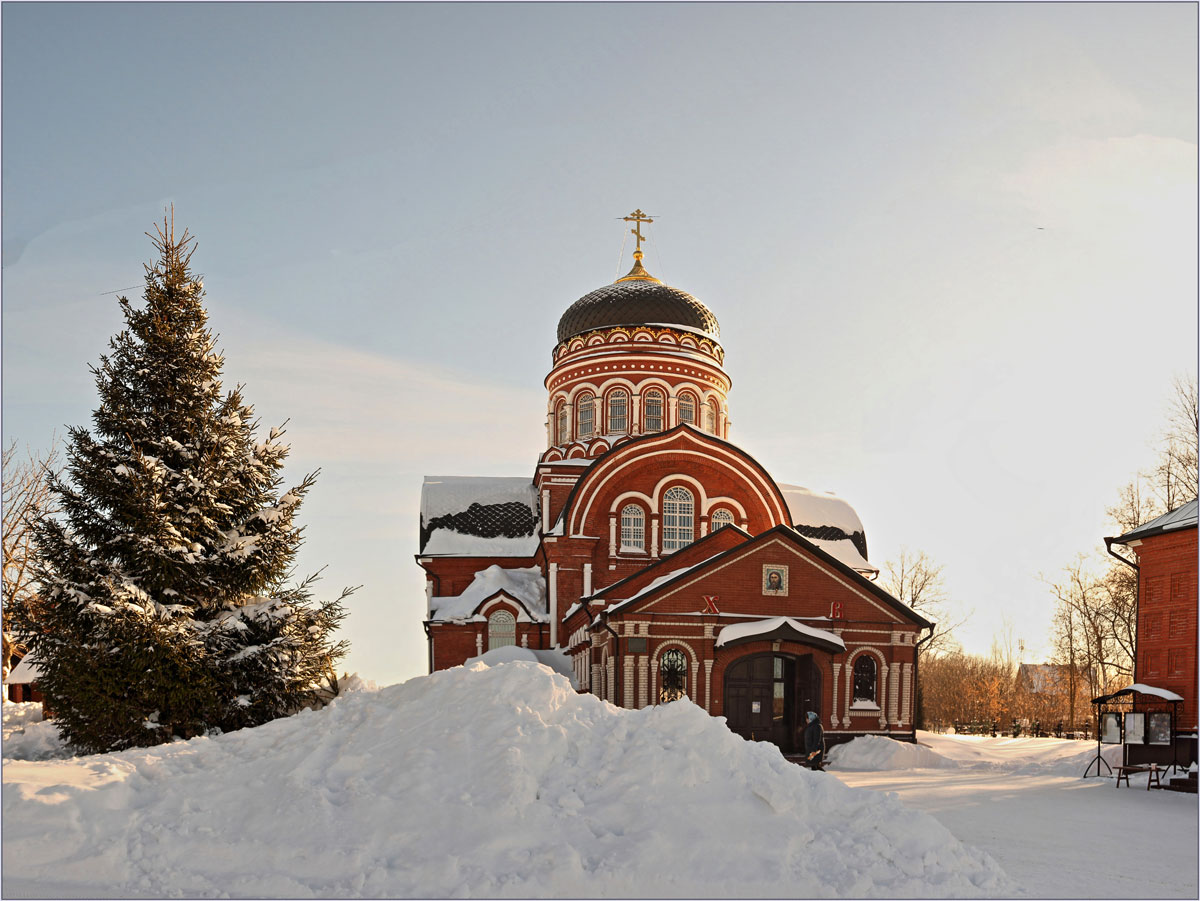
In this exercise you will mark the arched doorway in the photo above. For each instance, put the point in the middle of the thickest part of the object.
(766, 696)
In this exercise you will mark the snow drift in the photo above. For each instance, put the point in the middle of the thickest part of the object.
(482, 780)
(875, 752)
(1018, 756)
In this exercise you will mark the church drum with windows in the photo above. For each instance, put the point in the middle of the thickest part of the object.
(658, 554)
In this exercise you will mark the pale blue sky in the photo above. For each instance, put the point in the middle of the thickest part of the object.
(952, 247)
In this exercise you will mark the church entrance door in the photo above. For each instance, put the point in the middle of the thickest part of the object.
(766, 696)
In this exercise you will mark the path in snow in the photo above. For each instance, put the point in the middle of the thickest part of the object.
(1023, 801)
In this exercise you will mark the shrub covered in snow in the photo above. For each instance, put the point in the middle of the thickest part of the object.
(163, 610)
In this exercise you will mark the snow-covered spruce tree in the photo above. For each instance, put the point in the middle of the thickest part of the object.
(164, 608)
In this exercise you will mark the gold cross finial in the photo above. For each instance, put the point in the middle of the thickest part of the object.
(639, 217)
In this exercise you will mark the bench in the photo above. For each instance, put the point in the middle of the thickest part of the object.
(1155, 779)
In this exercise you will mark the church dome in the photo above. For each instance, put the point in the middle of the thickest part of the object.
(637, 299)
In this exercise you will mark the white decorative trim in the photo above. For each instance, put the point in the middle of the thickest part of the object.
(708, 667)
(552, 587)
(894, 695)
(754, 480)
(833, 720)
(478, 643)
(881, 688)
(906, 693)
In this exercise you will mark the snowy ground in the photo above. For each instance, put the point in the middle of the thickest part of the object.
(1022, 800)
(502, 781)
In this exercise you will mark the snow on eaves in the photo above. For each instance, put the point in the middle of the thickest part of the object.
(844, 551)
(526, 585)
(739, 631)
(448, 543)
(812, 508)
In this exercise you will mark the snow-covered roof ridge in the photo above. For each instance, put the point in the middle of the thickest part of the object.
(475, 516)
(525, 585)
(1179, 518)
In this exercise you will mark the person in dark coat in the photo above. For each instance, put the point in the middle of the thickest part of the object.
(814, 742)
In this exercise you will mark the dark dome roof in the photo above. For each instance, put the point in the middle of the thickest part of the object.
(637, 299)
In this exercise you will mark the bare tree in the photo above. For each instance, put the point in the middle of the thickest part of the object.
(917, 581)
(1095, 624)
(26, 495)
(1176, 473)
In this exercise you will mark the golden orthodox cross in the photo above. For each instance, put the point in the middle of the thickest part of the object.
(639, 217)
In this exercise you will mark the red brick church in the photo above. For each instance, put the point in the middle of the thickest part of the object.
(658, 554)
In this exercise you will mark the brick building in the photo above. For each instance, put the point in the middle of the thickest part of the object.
(657, 554)
(1166, 550)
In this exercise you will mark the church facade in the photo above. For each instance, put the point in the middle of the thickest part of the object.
(660, 556)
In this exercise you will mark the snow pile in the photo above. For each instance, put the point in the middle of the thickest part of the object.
(558, 661)
(27, 736)
(874, 752)
(1028, 756)
(494, 781)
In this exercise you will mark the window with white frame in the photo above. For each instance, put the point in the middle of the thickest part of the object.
(678, 518)
(720, 519)
(653, 414)
(710, 417)
(502, 630)
(633, 528)
(618, 412)
(561, 417)
(864, 680)
(687, 408)
(586, 405)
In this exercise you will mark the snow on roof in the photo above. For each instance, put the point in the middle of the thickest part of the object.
(1157, 692)
(444, 495)
(844, 551)
(526, 585)
(661, 580)
(740, 631)
(23, 673)
(448, 543)
(468, 516)
(1179, 518)
(830, 523)
(812, 508)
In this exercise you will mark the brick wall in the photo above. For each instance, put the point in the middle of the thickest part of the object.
(1167, 622)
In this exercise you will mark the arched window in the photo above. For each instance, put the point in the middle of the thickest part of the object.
(864, 679)
(720, 519)
(586, 405)
(561, 429)
(633, 528)
(618, 412)
(679, 519)
(710, 417)
(687, 408)
(672, 669)
(653, 416)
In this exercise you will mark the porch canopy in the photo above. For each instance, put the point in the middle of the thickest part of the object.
(783, 628)
(1141, 689)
